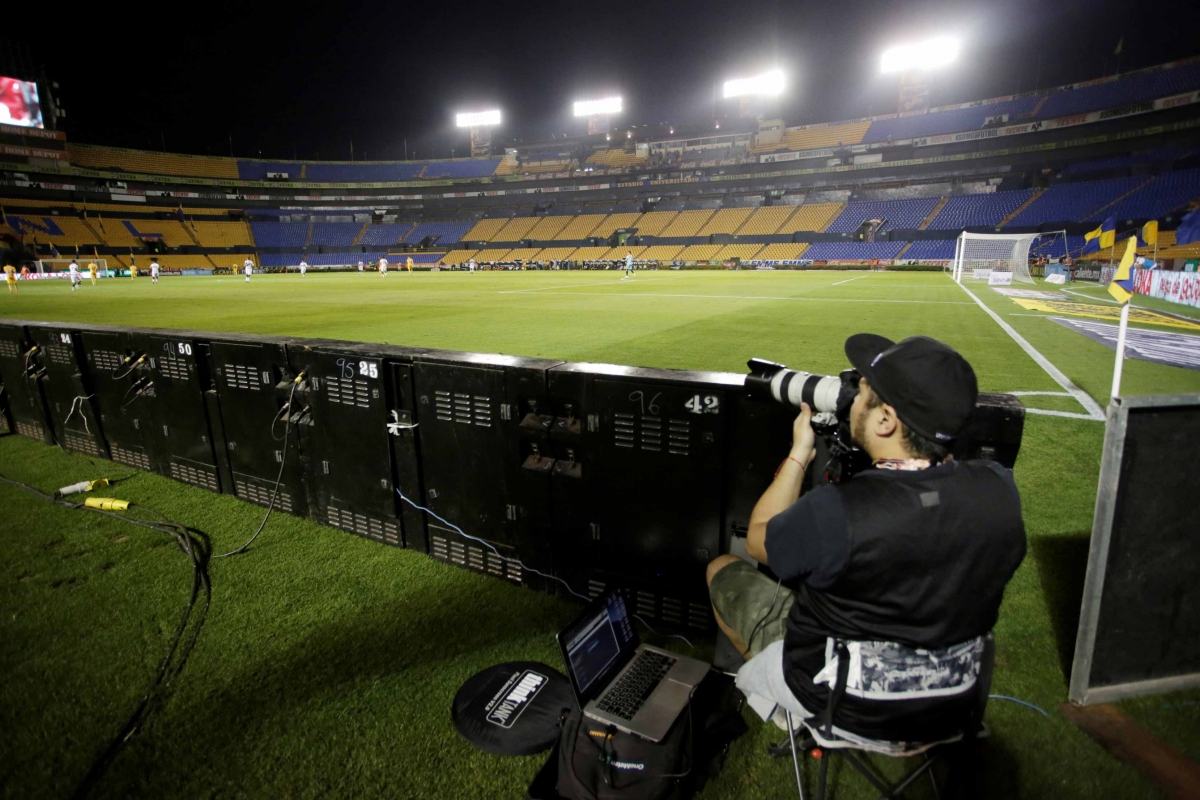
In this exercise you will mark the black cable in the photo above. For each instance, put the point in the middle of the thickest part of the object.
(195, 545)
(132, 367)
(287, 431)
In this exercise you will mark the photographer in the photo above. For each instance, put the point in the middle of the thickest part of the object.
(906, 563)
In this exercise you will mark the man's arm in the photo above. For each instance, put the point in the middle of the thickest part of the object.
(785, 489)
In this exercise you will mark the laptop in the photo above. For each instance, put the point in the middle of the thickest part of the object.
(637, 688)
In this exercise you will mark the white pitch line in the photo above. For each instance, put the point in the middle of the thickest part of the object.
(1069, 414)
(1089, 297)
(1042, 394)
(576, 285)
(747, 297)
(1085, 400)
(859, 278)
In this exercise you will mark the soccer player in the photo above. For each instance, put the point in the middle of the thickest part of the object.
(471, 264)
(408, 264)
(360, 268)
(92, 270)
(154, 270)
(25, 272)
(248, 267)
(303, 267)
(76, 278)
(132, 267)
(628, 264)
(10, 277)
(383, 267)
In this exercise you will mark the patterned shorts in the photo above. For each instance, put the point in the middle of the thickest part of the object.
(751, 603)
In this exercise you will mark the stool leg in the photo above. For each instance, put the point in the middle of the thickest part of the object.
(795, 757)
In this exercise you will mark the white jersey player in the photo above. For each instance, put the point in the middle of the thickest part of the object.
(471, 264)
(248, 268)
(383, 267)
(628, 265)
(76, 278)
(360, 267)
(303, 267)
(154, 270)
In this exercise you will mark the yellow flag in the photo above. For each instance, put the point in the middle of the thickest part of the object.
(1108, 238)
(1121, 287)
(1150, 232)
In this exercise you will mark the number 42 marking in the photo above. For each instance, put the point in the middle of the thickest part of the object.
(703, 404)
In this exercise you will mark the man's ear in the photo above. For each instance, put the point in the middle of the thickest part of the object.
(888, 423)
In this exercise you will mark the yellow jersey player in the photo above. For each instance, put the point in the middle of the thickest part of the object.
(409, 264)
(92, 270)
(132, 267)
(10, 277)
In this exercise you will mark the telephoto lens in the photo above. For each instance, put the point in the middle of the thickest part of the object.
(828, 394)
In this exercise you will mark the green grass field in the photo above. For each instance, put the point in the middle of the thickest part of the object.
(328, 662)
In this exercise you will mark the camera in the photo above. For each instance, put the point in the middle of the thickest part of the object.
(830, 397)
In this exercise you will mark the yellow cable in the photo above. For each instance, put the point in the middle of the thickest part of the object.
(106, 503)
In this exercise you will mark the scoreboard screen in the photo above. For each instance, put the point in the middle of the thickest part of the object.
(19, 104)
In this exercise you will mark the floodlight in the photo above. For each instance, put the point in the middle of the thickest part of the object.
(477, 119)
(923, 55)
(598, 108)
(769, 83)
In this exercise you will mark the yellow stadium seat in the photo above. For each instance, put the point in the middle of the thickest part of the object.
(492, 254)
(555, 254)
(518, 228)
(548, 227)
(589, 253)
(788, 251)
(743, 251)
(485, 230)
(687, 223)
(614, 158)
(765, 221)
(727, 220)
(522, 254)
(618, 253)
(96, 157)
(222, 234)
(654, 222)
(614, 223)
(812, 217)
(659, 252)
(815, 138)
(580, 227)
(699, 252)
(458, 256)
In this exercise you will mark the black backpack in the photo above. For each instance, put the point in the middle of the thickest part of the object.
(598, 762)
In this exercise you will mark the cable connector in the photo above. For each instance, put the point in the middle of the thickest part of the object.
(299, 378)
(106, 503)
(83, 486)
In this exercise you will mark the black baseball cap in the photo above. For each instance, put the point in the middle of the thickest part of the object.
(931, 386)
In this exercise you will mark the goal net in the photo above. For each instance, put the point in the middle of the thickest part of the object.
(998, 258)
(49, 265)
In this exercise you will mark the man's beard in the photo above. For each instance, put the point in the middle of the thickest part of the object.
(858, 425)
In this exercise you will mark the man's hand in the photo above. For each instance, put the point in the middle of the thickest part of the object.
(804, 440)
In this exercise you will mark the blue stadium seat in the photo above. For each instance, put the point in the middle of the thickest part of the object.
(933, 250)
(447, 232)
(965, 210)
(898, 213)
(335, 234)
(279, 234)
(1074, 202)
(1166, 193)
(1123, 91)
(384, 235)
(852, 251)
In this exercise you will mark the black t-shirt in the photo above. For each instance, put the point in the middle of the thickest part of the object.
(920, 558)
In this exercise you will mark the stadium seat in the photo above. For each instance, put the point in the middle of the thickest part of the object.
(580, 227)
(788, 251)
(548, 228)
(518, 228)
(745, 252)
(1168, 249)
(459, 256)
(96, 157)
(1074, 202)
(1166, 193)
(522, 254)
(485, 229)
(335, 234)
(618, 253)
(933, 250)
(1122, 90)
(613, 158)
(817, 137)
(765, 221)
(661, 252)
(811, 217)
(615, 222)
(967, 210)
(222, 234)
(58, 231)
(687, 223)
(853, 251)
(698, 252)
(589, 253)
(555, 254)
(727, 220)
(930, 123)
(492, 254)
(443, 233)
(384, 235)
(898, 213)
(654, 222)
(280, 234)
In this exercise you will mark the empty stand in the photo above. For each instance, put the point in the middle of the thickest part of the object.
(654, 222)
(618, 253)
(442, 233)
(492, 254)
(964, 210)
(459, 256)
(1073, 202)
(613, 158)
(96, 157)
(765, 221)
(818, 137)
(1166, 193)
(485, 230)
(698, 252)
(384, 235)
(222, 234)
(949, 121)
(556, 254)
(335, 234)
(781, 252)
(853, 251)
(547, 228)
(687, 223)
(589, 253)
(897, 213)
(727, 220)
(518, 228)
(580, 227)
(522, 254)
(280, 234)
(743, 251)
(615, 222)
(811, 217)
(661, 252)
(933, 250)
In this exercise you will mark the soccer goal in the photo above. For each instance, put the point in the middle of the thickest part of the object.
(64, 264)
(1002, 257)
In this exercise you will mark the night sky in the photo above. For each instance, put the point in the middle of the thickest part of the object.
(306, 78)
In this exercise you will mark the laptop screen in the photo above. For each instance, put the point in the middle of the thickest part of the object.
(597, 644)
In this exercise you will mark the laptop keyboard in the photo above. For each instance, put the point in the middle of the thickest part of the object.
(626, 696)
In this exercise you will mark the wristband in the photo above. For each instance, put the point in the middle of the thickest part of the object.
(789, 458)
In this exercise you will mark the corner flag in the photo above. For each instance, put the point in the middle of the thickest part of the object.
(1104, 236)
(1150, 233)
(1121, 287)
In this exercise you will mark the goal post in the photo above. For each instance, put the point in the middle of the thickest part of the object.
(977, 256)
